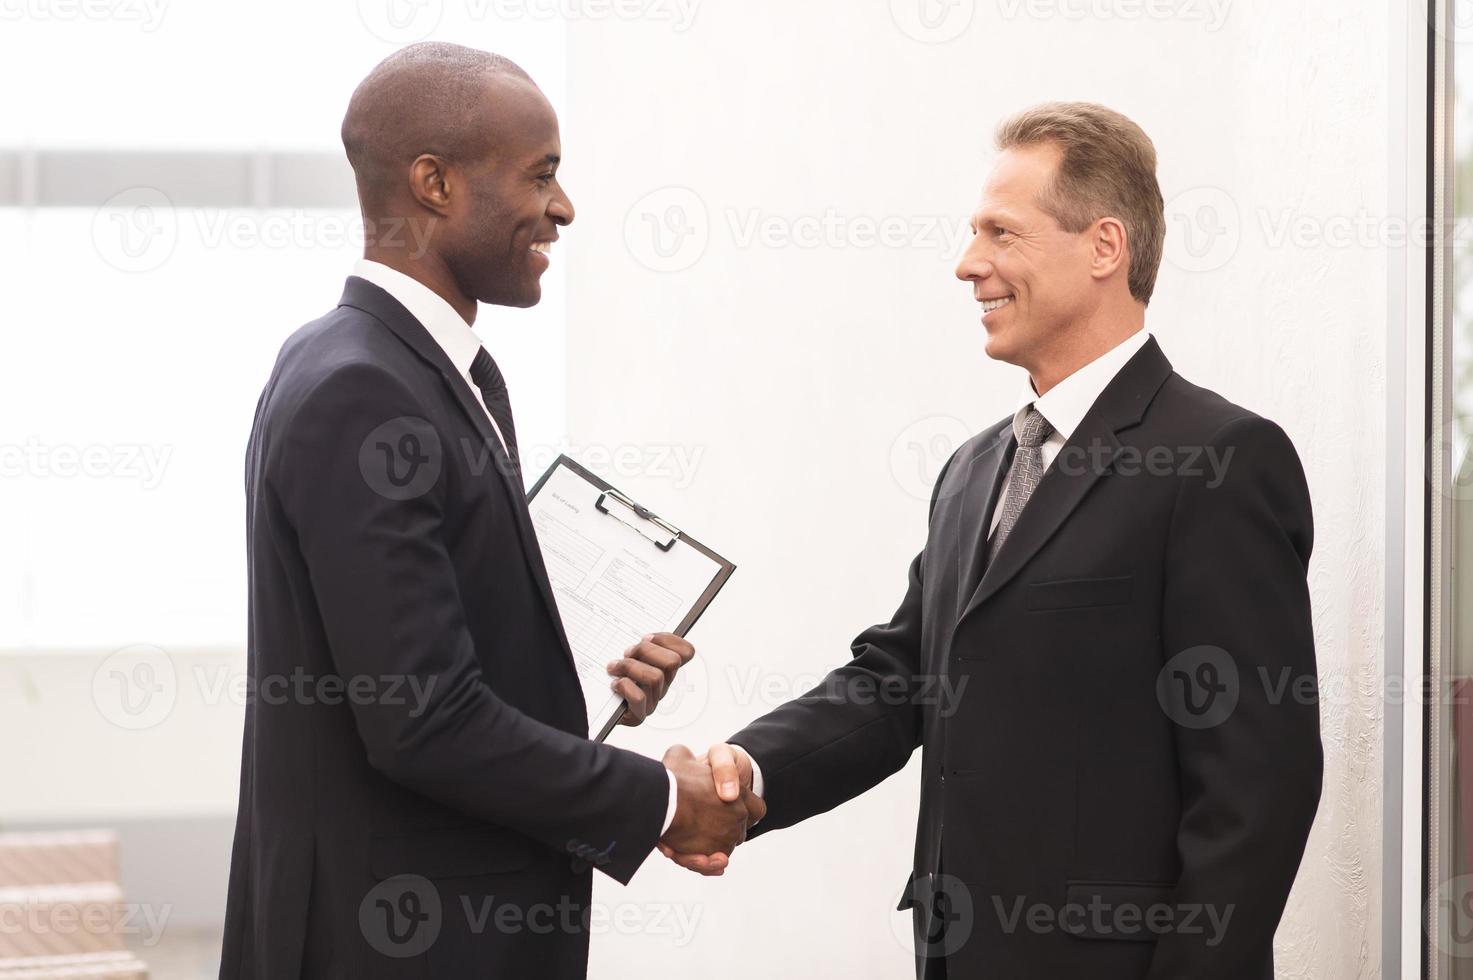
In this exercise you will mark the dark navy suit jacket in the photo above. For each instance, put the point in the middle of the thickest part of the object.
(418, 797)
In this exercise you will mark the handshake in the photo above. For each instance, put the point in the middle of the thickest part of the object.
(715, 802)
(715, 807)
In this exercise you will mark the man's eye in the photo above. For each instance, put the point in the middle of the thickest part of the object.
(1001, 231)
(545, 179)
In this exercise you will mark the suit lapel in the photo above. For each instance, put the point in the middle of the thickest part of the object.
(983, 483)
(1053, 500)
(1085, 459)
(511, 481)
(363, 295)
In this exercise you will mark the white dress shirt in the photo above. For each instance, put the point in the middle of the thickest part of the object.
(460, 344)
(1064, 405)
(438, 317)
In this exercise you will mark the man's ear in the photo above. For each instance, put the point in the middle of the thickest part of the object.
(430, 182)
(1109, 248)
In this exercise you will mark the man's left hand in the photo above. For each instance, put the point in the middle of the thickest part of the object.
(647, 671)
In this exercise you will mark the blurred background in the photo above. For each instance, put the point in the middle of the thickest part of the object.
(753, 327)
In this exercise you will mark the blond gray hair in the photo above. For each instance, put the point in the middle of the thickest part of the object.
(1107, 168)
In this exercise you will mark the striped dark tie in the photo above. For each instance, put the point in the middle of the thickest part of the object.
(487, 377)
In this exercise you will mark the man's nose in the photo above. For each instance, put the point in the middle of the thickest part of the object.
(560, 209)
(974, 264)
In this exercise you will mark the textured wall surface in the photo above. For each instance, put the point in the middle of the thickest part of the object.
(735, 303)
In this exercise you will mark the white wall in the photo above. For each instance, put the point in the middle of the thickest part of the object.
(801, 378)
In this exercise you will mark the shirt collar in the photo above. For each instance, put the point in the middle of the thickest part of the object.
(1065, 404)
(445, 326)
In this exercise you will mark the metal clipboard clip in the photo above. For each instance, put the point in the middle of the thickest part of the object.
(664, 542)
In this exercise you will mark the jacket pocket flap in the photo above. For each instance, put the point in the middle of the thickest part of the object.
(1079, 592)
(1126, 911)
(916, 886)
(454, 853)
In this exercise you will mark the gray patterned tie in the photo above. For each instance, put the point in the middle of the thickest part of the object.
(1023, 477)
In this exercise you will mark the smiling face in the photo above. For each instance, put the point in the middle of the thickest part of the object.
(499, 234)
(1032, 277)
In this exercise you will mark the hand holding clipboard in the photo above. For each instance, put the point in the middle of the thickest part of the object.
(618, 572)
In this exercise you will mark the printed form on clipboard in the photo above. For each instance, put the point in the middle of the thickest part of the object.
(618, 572)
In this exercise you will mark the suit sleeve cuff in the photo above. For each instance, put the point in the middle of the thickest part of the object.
(757, 784)
(670, 809)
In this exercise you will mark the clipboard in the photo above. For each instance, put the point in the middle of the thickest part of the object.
(618, 572)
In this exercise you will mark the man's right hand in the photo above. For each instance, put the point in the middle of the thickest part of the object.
(729, 770)
(705, 824)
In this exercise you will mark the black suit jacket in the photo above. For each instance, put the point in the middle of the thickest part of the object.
(440, 818)
(1117, 716)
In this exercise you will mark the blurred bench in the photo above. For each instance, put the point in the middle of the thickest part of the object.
(62, 912)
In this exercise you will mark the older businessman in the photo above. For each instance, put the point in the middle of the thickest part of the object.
(450, 834)
(1123, 786)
